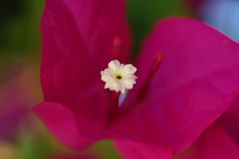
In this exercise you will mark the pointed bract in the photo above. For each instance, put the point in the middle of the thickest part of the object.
(78, 40)
(196, 82)
(187, 77)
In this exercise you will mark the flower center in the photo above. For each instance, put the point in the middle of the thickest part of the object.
(119, 77)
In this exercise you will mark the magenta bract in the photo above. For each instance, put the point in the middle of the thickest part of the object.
(187, 77)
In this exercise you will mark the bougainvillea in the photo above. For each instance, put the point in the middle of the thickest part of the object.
(187, 77)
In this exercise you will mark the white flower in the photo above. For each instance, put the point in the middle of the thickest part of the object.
(119, 77)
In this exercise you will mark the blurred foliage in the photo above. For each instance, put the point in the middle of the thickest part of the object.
(144, 14)
(19, 29)
(106, 149)
(33, 147)
(9, 9)
(38, 143)
(8, 151)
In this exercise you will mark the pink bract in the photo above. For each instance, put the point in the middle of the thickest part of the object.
(196, 82)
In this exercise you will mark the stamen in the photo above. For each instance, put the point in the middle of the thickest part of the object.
(116, 48)
(154, 67)
(122, 98)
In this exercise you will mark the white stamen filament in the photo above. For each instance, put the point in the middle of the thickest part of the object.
(122, 98)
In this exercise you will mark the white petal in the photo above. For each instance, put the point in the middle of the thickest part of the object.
(130, 69)
(114, 65)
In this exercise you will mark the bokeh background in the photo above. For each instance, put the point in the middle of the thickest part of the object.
(22, 135)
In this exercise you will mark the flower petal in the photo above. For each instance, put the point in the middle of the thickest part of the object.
(230, 120)
(135, 150)
(70, 129)
(213, 143)
(78, 39)
(197, 81)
